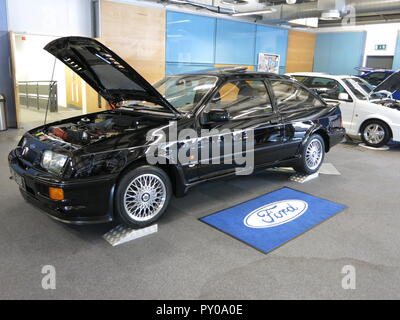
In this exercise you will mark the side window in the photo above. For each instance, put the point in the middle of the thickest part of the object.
(334, 87)
(301, 79)
(291, 96)
(242, 99)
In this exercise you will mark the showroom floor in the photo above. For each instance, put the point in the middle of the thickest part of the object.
(187, 259)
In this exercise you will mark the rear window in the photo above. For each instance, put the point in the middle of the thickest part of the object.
(290, 96)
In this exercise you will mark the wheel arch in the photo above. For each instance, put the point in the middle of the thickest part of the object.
(324, 136)
(376, 119)
(174, 174)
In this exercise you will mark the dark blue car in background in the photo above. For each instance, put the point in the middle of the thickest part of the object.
(383, 80)
(374, 76)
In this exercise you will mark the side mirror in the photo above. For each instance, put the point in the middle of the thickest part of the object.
(218, 115)
(344, 97)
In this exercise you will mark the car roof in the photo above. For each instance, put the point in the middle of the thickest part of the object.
(235, 72)
(320, 74)
(307, 73)
(382, 70)
(368, 70)
(247, 74)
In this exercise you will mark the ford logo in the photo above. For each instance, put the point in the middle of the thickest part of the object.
(275, 214)
(25, 151)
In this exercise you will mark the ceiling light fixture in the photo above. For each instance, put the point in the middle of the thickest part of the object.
(234, 2)
(252, 13)
(330, 15)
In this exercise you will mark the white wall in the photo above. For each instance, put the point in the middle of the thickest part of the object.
(381, 34)
(35, 64)
(50, 17)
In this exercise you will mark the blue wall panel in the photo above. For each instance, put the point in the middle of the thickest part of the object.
(195, 43)
(235, 42)
(272, 40)
(178, 68)
(339, 53)
(190, 38)
(322, 53)
(396, 60)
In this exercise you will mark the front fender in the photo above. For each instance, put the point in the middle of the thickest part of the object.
(173, 169)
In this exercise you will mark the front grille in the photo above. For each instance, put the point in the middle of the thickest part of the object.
(24, 164)
(30, 155)
(30, 190)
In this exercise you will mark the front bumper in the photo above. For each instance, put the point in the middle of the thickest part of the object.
(395, 132)
(87, 201)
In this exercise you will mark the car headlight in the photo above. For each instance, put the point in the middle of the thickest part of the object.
(52, 161)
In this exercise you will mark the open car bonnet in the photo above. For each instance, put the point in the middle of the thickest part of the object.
(368, 69)
(391, 84)
(107, 73)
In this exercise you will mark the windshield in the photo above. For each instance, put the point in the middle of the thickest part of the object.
(184, 92)
(362, 89)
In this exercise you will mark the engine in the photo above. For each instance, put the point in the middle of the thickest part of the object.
(393, 104)
(88, 130)
(389, 103)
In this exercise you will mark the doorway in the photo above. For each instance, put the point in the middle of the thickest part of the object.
(380, 62)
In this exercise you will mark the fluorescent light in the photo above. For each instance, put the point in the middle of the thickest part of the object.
(235, 2)
(308, 22)
(331, 15)
(179, 21)
(251, 13)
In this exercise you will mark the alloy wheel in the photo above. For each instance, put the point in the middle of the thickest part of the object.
(314, 154)
(144, 197)
(374, 133)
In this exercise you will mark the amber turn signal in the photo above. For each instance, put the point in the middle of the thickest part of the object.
(56, 193)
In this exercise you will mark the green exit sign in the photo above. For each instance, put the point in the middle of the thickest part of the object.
(381, 47)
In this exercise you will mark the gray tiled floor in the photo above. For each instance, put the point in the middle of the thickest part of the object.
(187, 259)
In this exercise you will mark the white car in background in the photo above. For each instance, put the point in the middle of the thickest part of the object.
(373, 115)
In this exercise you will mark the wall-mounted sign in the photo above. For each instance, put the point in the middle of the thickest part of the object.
(381, 47)
(268, 62)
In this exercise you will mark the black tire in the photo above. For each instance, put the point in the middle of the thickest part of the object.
(303, 166)
(121, 196)
(380, 141)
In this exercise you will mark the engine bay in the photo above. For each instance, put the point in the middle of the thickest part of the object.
(90, 129)
(389, 103)
(393, 104)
